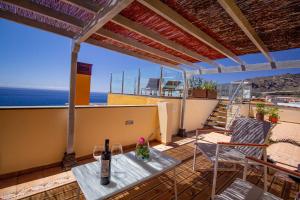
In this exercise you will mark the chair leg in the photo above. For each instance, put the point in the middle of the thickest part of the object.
(245, 170)
(215, 174)
(265, 170)
(194, 159)
(213, 192)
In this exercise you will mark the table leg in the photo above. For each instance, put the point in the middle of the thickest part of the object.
(175, 184)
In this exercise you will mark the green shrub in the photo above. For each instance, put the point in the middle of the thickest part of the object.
(273, 112)
(209, 85)
(195, 83)
(261, 108)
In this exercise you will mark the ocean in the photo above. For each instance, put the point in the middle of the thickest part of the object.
(41, 97)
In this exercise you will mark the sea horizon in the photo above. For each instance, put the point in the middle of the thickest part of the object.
(17, 96)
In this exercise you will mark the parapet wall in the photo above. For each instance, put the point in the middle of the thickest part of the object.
(32, 137)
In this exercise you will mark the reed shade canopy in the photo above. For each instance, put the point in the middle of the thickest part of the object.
(174, 33)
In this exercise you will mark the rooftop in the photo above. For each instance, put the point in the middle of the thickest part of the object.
(191, 184)
(35, 142)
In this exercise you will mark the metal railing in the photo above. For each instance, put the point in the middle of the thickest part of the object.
(241, 93)
(165, 83)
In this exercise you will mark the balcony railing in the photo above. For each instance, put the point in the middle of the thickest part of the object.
(167, 83)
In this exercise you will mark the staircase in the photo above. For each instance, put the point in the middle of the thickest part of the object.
(227, 110)
(218, 117)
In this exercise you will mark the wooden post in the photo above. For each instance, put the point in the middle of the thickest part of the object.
(69, 157)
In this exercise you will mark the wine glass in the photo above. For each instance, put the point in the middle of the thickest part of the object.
(97, 151)
(117, 153)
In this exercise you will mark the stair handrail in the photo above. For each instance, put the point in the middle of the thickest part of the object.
(231, 102)
(233, 97)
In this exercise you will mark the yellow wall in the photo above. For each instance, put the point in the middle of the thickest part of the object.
(94, 125)
(286, 114)
(197, 111)
(120, 99)
(34, 137)
(31, 137)
(82, 89)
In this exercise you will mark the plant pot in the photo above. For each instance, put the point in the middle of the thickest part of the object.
(199, 93)
(273, 120)
(260, 116)
(212, 94)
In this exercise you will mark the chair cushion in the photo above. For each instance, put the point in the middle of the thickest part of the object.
(225, 153)
(240, 189)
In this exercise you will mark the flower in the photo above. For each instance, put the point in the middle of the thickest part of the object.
(141, 140)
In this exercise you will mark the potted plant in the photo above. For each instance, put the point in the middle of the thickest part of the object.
(260, 111)
(273, 114)
(196, 90)
(211, 88)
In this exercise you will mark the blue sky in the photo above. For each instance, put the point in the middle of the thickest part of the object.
(32, 58)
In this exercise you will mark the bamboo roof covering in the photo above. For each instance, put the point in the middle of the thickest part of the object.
(171, 32)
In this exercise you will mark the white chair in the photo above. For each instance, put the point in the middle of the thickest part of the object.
(242, 189)
(248, 139)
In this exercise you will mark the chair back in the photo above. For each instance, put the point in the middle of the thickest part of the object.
(171, 84)
(248, 130)
(153, 83)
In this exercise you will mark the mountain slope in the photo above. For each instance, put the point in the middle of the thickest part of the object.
(284, 82)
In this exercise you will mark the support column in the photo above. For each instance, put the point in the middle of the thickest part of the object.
(110, 84)
(139, 83)
(181, 131)
(122, 90)
(69, 159)
(160, 81)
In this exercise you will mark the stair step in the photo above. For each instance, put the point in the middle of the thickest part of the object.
(219, 111)
(221, 106)
(217, 120)
(218, 116)
(216, 123)
(219, 127)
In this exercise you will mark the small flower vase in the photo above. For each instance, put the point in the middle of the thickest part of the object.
(142, 151)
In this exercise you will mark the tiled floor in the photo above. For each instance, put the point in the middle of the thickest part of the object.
(191, 185)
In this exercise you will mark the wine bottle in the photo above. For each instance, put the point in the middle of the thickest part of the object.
(105, 164)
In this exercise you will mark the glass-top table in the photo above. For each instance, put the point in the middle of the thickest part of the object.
(126, 173)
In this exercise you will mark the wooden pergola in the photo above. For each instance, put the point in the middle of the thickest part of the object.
(176, 34)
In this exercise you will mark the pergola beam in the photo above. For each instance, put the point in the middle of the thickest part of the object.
(102, 17)
(173, 17)
(142, 30)
(85, 5)
(35, 24)
(133, 43)
(130, 53)
(236, 14)
(26, 4)
(255, 67)
(46, 12)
